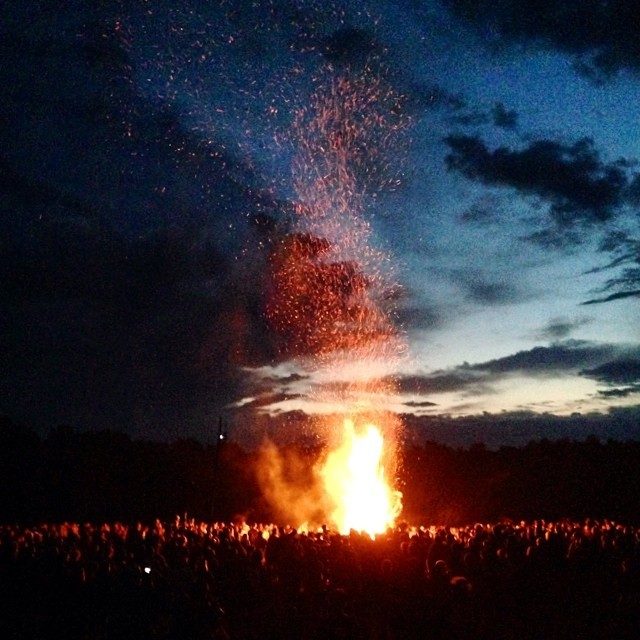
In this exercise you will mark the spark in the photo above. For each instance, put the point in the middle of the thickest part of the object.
(331, 289)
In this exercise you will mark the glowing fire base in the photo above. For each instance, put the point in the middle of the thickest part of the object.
(354, 479)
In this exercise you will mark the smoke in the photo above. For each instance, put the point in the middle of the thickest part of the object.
(290, 483)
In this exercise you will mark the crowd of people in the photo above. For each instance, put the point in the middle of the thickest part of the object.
(190, 579)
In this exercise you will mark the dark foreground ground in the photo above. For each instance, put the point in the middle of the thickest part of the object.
(191, 580)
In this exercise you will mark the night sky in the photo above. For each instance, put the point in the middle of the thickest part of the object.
(145, 176)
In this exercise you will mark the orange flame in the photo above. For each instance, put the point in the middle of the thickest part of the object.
(354, 479)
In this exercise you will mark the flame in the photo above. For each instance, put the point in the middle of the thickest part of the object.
(354, 479)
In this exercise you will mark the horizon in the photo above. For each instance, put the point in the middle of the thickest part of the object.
(507, 429)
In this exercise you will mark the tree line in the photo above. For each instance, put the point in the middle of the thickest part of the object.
(106, 475)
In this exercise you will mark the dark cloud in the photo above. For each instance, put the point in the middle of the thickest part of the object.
(76, 123)
(421, 384)
(490, 293)
(557, 238)
(291, 378)
(124, 303)
(570, 356)
(617, 366)
(560, 328)
(601, 36)
(623, 371)
(633, 191)
(440, 382)
(571, 178)
(140, 334)
(621, 376)
(478, 214)
(485, 210)
(138, 231)
(485, 289)
(620, 295)
(563, 356)
(624, 251)
(503, 117)
(36, 194)
(627, 278)
(499, 115)
(419, 404)
(418, 317)
(317, 305)
(619, 392)
(457, 109)
(623, 248)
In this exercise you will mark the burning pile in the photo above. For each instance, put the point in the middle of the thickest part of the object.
(354, 479)
(332, 292)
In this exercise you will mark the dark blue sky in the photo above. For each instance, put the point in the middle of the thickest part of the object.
(145, 170)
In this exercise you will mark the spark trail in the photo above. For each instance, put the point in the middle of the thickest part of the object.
(332, 291)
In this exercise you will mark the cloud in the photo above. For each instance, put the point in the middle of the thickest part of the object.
(623, 247)
(628, 277)
(487, 209)
(418, 317)
(26, 191)
(622, 371)
(600, 36)
(487, 289)
(620, 295)
(633, 191)
(573, 179)
(490, 293)
(317, 304)
(457, 109)
(478, 214)
(499, 115)
(105, 331)
(421, 384)
(448, 381)
(610, 364)
(560, 328)
(554, 237)
(419, 404)
(614, 374)
(569, 355)
(289, 379)
(503, 117)
(624, 252)
(619, 392)
(134, 245)
(123, 303)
